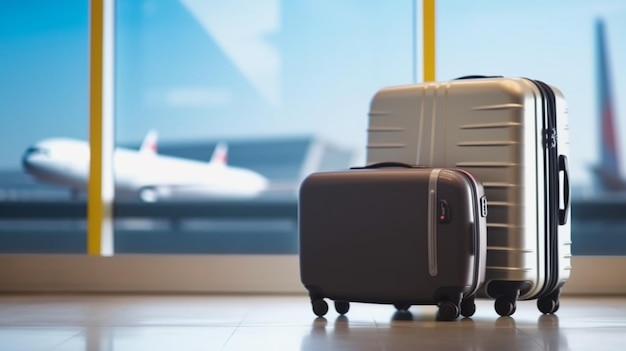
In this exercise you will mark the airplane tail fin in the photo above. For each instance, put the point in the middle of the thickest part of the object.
(220, 154)
(608, 174)
(149, 145)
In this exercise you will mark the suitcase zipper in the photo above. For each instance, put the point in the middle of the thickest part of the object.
(550, 144)
(480, 209)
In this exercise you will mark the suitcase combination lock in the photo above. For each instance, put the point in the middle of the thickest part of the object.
(443, 213)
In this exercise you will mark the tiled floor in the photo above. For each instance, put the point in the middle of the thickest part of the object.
(123, 322)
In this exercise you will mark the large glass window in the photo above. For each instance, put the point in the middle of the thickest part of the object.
(277, 90)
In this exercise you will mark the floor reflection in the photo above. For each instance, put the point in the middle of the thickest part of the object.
(233, 323)
(407, 330)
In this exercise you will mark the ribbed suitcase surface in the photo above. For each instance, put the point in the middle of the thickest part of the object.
(495, 129)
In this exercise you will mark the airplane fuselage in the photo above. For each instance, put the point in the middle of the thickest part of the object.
(65, 162)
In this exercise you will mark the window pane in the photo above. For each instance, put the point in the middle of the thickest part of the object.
(279, 88)
(44, 99)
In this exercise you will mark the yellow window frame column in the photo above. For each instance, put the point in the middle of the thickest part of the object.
(424, 40)
(101, 105)
(428, 32)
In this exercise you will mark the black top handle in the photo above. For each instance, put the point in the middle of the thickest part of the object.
(477, 76)
(387, 165)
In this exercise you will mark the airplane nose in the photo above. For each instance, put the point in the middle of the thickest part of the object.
(26, 163)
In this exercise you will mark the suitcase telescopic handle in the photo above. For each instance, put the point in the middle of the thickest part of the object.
(563, 168)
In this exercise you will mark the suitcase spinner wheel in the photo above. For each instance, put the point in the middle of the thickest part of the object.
(342, 307)
(504, 306)
(468, 307)
(320, 307)
(550, 303)
(506, 294)
(448, 311)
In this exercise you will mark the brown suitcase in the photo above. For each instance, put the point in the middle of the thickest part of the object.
(393, 234)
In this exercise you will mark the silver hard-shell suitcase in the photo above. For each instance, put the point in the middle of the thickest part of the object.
(393, 234)
(512, 134)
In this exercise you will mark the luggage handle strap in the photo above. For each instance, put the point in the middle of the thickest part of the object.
(564, 168)
(388, 164)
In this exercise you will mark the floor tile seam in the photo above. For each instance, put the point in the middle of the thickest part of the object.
(530, 336)
(236, 328)
(381, 344)
(119, 310)
(99, 321)
(107, 322)
(48, 325)
(232, 333)
(116, 326)
(84, 331)
(287, 325)
(379, 338)
(196, 326)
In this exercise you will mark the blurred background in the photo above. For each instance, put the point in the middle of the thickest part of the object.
(212, 95)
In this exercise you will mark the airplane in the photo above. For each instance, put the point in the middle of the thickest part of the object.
(607, 175)
(143, 172)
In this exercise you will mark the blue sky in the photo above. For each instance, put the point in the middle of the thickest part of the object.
(189, 70)
(43, 65)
